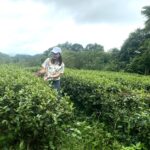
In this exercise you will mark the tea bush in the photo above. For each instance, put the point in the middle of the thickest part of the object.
(31, 114)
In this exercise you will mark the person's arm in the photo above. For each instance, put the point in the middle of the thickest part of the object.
(43, 68)
(56, 75)
(40, 72)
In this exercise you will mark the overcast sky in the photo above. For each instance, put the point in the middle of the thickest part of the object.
(33, 26)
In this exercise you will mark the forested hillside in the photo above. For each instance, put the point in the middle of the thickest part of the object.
(5, 58)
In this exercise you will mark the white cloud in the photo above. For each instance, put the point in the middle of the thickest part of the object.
(32, 26)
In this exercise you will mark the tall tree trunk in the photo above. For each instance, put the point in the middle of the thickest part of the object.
(147, 71)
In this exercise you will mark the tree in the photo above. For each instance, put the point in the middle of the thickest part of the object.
(114, 64)
(146, 12)
(77, 47)
(131, 46)
(66, 46)
(95, 46)
(136, 50)
(145, 58)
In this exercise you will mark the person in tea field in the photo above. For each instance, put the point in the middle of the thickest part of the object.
(53, 68)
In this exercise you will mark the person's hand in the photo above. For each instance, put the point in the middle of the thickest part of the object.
(37, 74)
(45, 78)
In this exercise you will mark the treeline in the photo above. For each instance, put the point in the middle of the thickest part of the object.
(133, 56)
(24, 60)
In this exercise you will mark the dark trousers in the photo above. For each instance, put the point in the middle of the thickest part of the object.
(56, 84)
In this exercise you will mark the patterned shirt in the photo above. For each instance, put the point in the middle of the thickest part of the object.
(52, 68)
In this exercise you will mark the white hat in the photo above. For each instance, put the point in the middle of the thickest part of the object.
(56, 50)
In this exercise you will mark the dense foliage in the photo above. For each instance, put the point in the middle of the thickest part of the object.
(119, 100)
(31, 115)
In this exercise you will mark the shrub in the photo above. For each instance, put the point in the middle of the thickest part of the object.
(31, 114)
